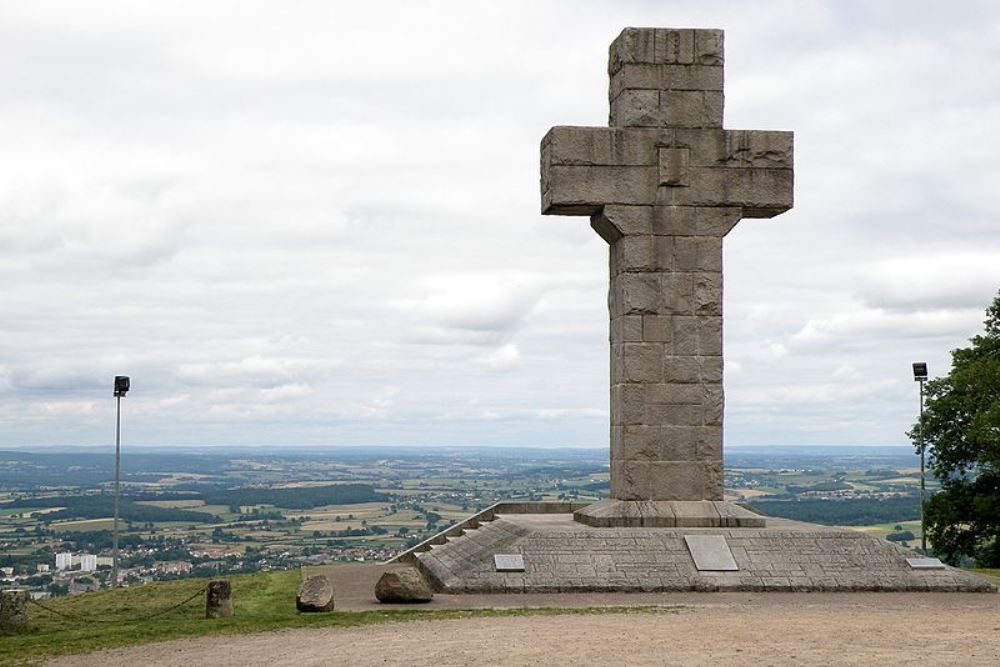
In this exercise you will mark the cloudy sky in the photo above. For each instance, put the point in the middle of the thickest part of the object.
(318, 223)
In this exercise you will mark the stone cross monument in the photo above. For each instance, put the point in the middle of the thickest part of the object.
(663, 185)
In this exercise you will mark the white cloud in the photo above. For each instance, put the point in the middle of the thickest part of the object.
(503, 358)
(290, 226)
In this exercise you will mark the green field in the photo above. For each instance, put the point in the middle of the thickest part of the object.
(263, 602)
(880, 530)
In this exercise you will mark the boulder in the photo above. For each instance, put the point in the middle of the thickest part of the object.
(404, 585)
(315, 594)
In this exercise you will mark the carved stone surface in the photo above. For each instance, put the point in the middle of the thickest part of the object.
(663, 185)
(564, 555)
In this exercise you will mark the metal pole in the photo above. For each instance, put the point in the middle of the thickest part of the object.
(118, 431)
(923, 487)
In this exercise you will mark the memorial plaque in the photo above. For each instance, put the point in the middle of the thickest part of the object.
(711, 553)
(925, 564)
(508, 562)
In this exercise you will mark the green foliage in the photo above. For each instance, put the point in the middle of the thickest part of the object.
(961, 427)
(847, 512)
(100, 506)
(795, 489)
(901, 536)
(295, 498)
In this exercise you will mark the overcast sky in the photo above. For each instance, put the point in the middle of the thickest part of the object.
(318, 223)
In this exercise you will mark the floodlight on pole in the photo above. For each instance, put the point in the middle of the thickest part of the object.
(920, 375)
(121, 388)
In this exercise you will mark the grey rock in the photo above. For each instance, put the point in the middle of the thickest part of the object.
(403, 586)
(315, 594)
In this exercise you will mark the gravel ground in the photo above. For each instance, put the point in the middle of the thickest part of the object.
(850, 629)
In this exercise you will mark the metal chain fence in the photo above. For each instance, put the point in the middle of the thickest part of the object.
(143, 617)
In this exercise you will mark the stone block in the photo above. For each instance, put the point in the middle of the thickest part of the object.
(698, 253)
(708, 445)
(734, 516)
(714, 405)
(637, 108)
(219, 599)
(761, 193)
(640, 443)
(740, 149)
(678, 443)
(571, 190)
(627, 329)
(627, 404)
(676, 416)
(635, 294)
(632, 45)
(665, 480)
(634, 254)
(692, 369)
(678, 294)
(657, 328)
(707, 293)
(693, 221)
(606, 146)
(685, 335)
(710, 339)
(673, 166)
(674, 46)
(642, 362)
(626, 220)
(646, 76)
(708, 147)
(668, 109)
(13, 611)
(675, 394)
(709, 47)
(696, 514)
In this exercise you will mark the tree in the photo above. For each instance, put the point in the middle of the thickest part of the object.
(961, 427)
(901, 536)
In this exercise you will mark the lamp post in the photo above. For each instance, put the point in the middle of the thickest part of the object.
(920, 375)
(121, 388)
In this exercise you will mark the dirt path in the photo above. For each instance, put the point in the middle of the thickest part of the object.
(863, 634)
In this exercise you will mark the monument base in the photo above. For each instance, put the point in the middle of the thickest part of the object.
(611, 513)
(559, 554)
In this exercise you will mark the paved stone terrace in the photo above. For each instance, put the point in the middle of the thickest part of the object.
(564, 556)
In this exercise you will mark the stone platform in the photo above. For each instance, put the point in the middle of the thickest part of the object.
(562, 555)
(612, 513)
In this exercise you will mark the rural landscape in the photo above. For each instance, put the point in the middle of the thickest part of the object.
(220, 513)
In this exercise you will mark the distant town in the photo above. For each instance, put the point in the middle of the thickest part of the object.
(187, 514)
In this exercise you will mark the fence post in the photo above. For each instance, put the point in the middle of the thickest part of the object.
(13, 611)
(219, 599)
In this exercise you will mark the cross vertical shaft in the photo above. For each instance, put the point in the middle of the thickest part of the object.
(663, 185)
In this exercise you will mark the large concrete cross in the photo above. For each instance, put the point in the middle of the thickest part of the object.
(663, 185)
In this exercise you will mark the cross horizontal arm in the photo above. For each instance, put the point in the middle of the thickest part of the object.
(586, 168)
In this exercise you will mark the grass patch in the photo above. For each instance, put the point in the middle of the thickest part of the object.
(263, 602)
(993, 574)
